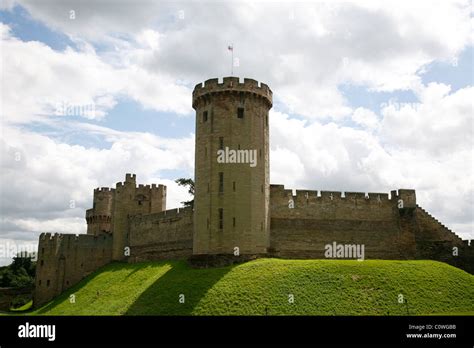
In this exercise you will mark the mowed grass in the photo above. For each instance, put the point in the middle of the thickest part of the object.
(264, 286)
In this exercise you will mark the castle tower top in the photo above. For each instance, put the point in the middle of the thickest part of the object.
(231, 85)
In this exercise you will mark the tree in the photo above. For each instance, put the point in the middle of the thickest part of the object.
(187, 183)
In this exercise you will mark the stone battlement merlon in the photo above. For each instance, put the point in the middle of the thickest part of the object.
(55, 240)
(104, 190)
(232, 84)
(281, 191)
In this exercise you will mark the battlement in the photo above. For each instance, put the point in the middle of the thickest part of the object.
(130, 177)
(145, 189)
(279, 191)
(47, 237)
(231, 85)
(104, 190)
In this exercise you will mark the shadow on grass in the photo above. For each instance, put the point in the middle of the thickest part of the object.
(64, 296)
(163, 296)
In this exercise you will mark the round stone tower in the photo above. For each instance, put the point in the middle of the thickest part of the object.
(99, 217)
(231, 199)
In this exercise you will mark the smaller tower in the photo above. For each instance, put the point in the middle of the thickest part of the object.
(129, 200)
(100, 216)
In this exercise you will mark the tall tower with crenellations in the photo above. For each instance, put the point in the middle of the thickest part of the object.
(129, 200)
(99, 218)
(231, 200)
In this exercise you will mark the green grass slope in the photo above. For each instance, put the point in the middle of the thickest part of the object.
(319, 287)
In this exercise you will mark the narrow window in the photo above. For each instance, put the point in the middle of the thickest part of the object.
(207, 223)
(42, 250)
(39, 282)
(221, 182)
(266, 120)
(221, 218)
(221, 143)
(139, 202)
(233, 186)
(233, 221)
(204, 116)
(240, 112)
(47, 282)
(42, 262)
(205, 152)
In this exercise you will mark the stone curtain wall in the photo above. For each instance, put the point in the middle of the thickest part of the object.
(165, 235)
(65, 259)
(320, 219)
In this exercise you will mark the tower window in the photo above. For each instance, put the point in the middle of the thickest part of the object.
(240, 112)
(233, 186)
(221, 182)
(47, 282)
(221, 143)
(233, 221)
(266, 119)
(221, 218)
(204, 116)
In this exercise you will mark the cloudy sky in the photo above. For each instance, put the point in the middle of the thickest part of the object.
(368, 96)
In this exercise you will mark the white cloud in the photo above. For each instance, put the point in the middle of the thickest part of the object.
(44, 82)
(365, 118)
(303, 51)
(440, 124)
(44, 175)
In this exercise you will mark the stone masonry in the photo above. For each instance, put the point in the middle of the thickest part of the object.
(236, 208)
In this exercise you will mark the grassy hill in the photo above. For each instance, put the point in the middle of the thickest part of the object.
(319, 287)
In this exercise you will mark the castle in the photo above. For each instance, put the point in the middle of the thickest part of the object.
(237, 214)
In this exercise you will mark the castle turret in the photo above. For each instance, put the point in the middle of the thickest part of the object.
(130, 200)
(231, 167)
(99, 217)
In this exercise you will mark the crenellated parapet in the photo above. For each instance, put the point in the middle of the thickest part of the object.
(231, 85)
(281, 194)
